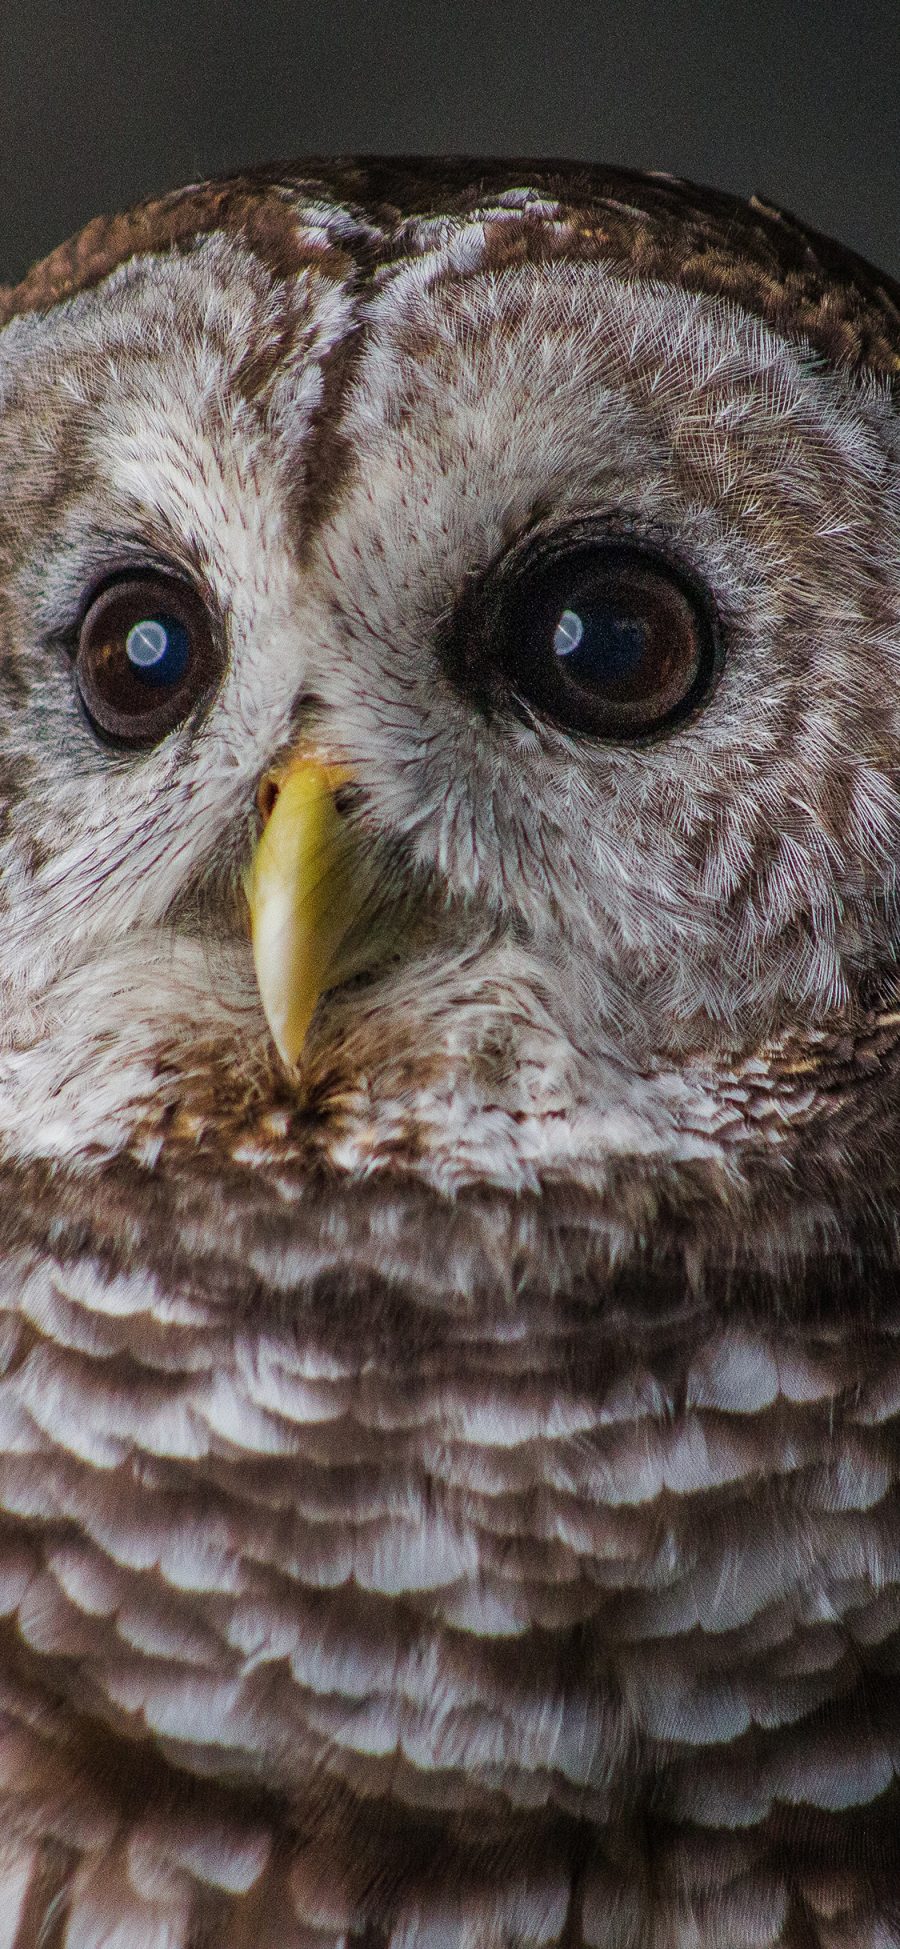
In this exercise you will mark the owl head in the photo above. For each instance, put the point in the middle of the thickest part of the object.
(450, 782)
(555, 528)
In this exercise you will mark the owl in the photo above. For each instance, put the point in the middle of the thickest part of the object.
(450, 1071)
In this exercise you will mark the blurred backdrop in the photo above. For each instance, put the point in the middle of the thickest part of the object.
(101, 102)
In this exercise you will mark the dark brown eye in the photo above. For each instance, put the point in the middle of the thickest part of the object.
(602, 636)
(146, 652)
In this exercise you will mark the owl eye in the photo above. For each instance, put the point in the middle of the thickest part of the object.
(607, 637)
(146, 652)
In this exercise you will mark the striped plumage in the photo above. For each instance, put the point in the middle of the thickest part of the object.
(448, 1495)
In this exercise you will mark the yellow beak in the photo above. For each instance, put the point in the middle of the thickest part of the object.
(300, 894)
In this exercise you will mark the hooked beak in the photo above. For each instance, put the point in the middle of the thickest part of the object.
(302, 894)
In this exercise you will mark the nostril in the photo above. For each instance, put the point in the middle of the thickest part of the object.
(266, 795)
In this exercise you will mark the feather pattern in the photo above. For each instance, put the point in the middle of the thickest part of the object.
(449, 1492)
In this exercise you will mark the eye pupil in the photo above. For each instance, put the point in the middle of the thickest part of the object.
(157, 648)
(604, 645)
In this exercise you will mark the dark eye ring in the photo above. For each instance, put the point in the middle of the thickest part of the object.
(599, 634)
(146, 652)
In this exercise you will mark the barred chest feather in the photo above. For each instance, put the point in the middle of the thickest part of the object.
(454, 1614)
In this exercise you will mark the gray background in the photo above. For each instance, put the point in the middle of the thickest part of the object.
(101, 103)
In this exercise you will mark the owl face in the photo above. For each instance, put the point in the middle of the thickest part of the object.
(524, 574)
(583, 889)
